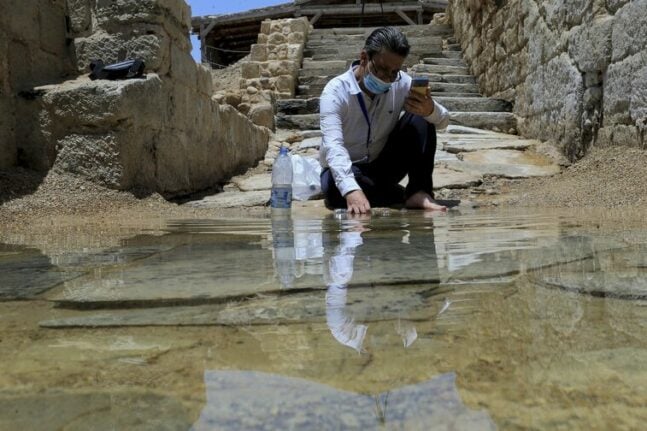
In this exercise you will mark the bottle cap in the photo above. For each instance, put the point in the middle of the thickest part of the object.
(283, 150)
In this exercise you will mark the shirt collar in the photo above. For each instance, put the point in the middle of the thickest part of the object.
(349, 78)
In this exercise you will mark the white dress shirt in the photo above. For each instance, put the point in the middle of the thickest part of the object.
(346, 130)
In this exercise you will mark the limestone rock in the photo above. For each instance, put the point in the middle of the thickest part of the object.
(262, 115)
(505, 163)
(450, 179)
(255, 182)
(233, 199)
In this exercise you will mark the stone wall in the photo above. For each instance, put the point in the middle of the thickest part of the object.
(164, 132)
(33, 51)
(576, 71)
(272, 67)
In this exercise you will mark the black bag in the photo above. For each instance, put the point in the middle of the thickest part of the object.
(123, 70)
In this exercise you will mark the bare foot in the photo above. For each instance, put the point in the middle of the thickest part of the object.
(424, 201)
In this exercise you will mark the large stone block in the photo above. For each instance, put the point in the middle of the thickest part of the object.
(626, 136)
(154, 49)
(298, 25)
(81, 105)
(614, 5)
(629, 30)
(95, 157)
(258, 53)
(80, 15)
(296, 38)
(52, 27)
(562, 14)
(22, 21)
(250, 70)
(152, 133)
(7, 143)
(638, 105)
(183, 68)
(174, 14)
(619, 88)
(590, 44)
(262, 115)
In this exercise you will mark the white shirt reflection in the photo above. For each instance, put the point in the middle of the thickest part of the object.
(338, 274)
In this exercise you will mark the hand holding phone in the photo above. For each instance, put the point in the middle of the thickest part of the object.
(420, 84)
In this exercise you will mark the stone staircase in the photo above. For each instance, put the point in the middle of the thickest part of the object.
(471, 154)
(434, 54)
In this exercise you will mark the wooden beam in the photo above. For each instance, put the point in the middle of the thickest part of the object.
(405, 17)
(203, 45)
(354, 9)
(315, 18)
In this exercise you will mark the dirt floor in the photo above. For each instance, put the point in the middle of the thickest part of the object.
(31, 204)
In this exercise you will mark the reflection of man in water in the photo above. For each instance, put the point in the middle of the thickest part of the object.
(338, 273)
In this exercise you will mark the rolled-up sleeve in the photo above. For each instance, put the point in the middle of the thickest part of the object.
(440, 117)
(333, 153)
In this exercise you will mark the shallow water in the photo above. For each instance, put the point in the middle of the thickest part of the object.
(399, 320)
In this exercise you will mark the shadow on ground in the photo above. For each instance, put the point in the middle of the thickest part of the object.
(19, 182)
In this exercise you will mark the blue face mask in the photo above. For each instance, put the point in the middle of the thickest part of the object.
(375, 85)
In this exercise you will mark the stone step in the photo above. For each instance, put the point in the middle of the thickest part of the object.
(447, 87)
(323, 54)
(409, 30)
(453, 46)
(301, 121)
(498, 121)
(317, 64)
(439, 69)
(444, 61)
(448, 54)
(298, 106)
(445, 94)
(323, 68)
(321, 81)
(474, 104)
(342, 40)
(307, 91)
(455, 79)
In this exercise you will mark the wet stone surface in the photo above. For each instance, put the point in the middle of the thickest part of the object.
(471, 319)
(26, 272)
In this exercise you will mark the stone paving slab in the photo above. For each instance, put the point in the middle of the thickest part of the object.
(314, 142)
(505, 163)
(289, 307)
(112, 409)
(450, 179)
(460, 146)
(255, 183)
(26, 272)
(232, 199)
(628, 285)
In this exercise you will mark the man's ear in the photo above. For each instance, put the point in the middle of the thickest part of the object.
(363, 58)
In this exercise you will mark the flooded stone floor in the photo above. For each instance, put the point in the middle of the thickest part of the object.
(470, 320)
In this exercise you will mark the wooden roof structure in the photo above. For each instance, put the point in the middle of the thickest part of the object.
(225, 39)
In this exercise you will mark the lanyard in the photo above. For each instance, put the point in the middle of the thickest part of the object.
(362, 105)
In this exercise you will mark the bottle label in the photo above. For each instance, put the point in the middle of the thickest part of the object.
(281, 197)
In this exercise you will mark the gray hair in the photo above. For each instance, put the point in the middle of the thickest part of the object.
(387, 38)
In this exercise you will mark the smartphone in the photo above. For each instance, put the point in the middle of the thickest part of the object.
(420, 84)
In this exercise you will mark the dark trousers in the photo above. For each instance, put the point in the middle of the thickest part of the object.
(409, 150)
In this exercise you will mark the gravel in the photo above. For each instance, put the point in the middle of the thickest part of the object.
(606, 177)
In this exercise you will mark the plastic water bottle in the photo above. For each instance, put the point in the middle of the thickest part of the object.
(281, 200)
(283, 249)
